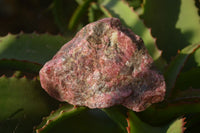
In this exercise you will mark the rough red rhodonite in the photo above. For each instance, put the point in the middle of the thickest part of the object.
(103, 65)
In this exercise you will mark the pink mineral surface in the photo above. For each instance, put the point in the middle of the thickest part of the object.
(105, 64)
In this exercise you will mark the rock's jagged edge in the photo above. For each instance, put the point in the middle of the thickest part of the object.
(103, 65)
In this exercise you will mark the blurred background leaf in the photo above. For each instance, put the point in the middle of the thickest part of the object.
(175, 24)
(28, 52)
(37, 48)
(23, 104)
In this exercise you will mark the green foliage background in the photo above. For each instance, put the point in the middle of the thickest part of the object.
(32, 32)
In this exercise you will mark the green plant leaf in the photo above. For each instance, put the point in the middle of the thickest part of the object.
(118, 116)
(121, 10)
(57, 116)
(160, 114)
(187, 86)
(76, 120)
(188, 79)
(25, 66)
(94, 12)
(189, 25)
(80, 1)
(91, 11)
(188, 21)
(177, 126)
(135, 3)
(59, 16)
(176, 65)
(175, 24)
(188, 95)
(81, 9)
(138, 126)
(135, 125)
(37, 48)
(62, 11)
(197, 57)
(23, 103)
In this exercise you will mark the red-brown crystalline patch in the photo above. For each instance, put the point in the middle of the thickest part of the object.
(103, 65)
(149, 88)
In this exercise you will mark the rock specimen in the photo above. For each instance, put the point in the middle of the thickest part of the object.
(105, 64)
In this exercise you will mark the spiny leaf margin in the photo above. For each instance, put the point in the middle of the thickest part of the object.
(176, 65)
(56, 116)
(138, 126)
(36, 48)
(27, 99)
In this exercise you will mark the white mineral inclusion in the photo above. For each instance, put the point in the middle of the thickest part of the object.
(114, 38)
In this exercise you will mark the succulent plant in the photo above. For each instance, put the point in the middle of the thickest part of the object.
(164, 26)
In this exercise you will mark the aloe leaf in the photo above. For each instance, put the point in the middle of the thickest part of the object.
(57, 116)
(81, 9)
(176, 65)
(105, 11)
(188, 79)
(25, 66)
(94, 12)
(177, 126)
(91, 12)
(189, 95)
(190, 29)
(62, 13)
(158, 114)
(117, 115)
(23, 103)
(135, 125)
(59, 16)
(187, 87)
(135, 3)
(175, 24)
(36, 48)
(80, 1)
(121, 10)
(197, 57)
(83, 120)
(138, 126)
